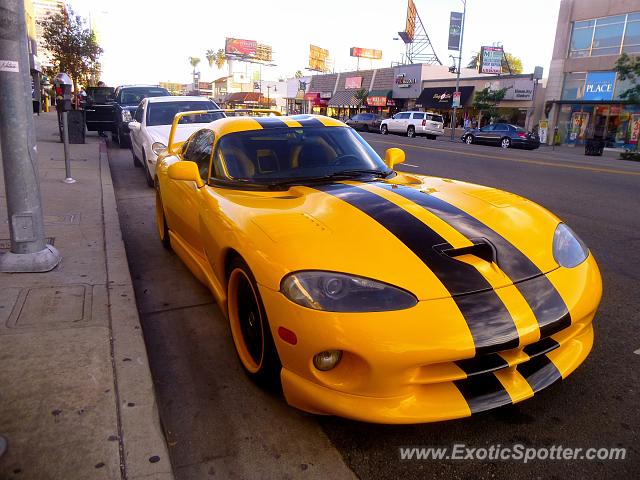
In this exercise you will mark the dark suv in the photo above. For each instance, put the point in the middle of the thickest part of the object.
(110, 111)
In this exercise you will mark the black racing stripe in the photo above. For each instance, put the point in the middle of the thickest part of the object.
(483, 392)
(539, 372)
(270, 122)
(546, 303)
(489, 321)
(483, 364)
(545, 345)
(307, 121)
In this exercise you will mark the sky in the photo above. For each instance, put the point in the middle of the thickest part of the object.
(145, 41)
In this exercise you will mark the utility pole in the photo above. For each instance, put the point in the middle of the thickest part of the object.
(455, 109)
(29, 252)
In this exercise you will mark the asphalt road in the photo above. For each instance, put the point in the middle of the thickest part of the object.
(219, 424)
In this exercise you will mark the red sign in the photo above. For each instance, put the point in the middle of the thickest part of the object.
(377, 101)
(353, 82)
(366, 53)
(237, 46)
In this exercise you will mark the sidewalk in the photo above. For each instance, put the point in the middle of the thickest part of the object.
(76, 394)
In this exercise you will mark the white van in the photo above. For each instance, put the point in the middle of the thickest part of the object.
(411, 124)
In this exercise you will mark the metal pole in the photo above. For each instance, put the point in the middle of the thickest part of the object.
(65, 141)
(29, 252)
(455, 109)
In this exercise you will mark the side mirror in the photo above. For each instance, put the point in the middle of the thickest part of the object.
(393, 157)
(134, 126)
(185, 171)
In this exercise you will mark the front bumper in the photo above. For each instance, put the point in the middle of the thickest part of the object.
(404, 366)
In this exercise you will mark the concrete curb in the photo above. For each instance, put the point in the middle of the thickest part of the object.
(143, 448)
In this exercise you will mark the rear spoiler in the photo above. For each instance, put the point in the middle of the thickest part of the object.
(227, 111)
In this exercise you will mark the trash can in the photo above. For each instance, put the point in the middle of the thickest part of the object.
(75, 124)
(594, 147)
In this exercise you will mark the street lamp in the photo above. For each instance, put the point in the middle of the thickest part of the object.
(455, 108)
(275, 89)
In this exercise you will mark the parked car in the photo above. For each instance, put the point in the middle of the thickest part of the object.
(503, 134)
(99, 104)
(149, 130)
(411, 124)
(366, 122)
(127, 99)
(466, 311)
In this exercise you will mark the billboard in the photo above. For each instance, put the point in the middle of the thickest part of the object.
(238, 46)
(264, 53)
(410, 26)
(455, 30)
(365, 53)
(491, 60)
(318, 59)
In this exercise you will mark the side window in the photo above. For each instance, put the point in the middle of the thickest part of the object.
(488, 128)
(418, 116)
(199, 151)
(356, 118)
(139, 113)
(403, 116)
(501, 127)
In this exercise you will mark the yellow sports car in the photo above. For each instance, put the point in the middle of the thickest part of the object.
(369, 293)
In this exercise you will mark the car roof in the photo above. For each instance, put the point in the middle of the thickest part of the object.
(177, 98)
(224, 126)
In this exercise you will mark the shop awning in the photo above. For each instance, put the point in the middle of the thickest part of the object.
(344, 99)
(314, 98)
(378, 98)
(244, 97)
(441, 97)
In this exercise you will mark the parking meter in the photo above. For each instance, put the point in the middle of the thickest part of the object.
(63, 85)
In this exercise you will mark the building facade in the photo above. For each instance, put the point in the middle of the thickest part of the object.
(583, 91)
(41, 10)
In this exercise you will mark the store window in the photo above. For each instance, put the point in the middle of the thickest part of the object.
(622, 86)
(604, 36)
(573, 87)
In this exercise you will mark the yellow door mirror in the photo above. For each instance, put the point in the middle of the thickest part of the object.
(393, 157)
(187, 171)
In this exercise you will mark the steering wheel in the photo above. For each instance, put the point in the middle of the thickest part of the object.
(346, 160)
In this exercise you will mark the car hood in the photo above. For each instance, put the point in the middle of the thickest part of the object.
(160, 133)
(427, 235)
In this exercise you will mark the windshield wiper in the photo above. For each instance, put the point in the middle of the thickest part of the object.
(341, 175)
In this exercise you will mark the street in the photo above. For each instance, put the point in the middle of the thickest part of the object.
(218, 423)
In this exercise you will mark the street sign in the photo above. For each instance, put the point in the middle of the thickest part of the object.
(455, 102)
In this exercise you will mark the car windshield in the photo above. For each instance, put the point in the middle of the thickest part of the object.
(133, 96)
(162, 113)
(295, 155)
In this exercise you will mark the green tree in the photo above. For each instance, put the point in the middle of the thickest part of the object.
(360, 95)
(74, 48)
(298, 74)
(628, 69)
(514, 62)
(487, 100)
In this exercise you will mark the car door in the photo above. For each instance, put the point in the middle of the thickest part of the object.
(400, 122)
(484, 134)
(137, 136)
(500, 131)
(184, 214)
(99, 109)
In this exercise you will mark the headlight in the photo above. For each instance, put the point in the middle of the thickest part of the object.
(158, 147)
(568, 250)
(338, 292)
(126, 116)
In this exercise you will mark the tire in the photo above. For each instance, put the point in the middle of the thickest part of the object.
(366, 129)
(384, 130)
(505, 142)
(136, 160)
(123, 141)
(114, 137)
(468, 139)
(250, 327)
(147, 175)
(411, 131)
(161, 221)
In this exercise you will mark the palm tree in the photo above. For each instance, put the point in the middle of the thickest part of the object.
(194, 61)
(298, 74)
(211, 57)
(220, 58)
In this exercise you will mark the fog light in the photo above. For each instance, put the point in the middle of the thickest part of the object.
(327, 360)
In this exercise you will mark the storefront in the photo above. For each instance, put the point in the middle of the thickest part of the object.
(315, 104)
(440, 99)
(380, 102)
(296, 90)
(345, 104)
(590, 107)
